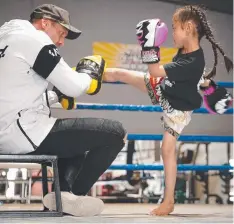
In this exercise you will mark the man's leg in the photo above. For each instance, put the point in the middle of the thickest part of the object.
(100, 139)
(68, 168)
(68, 171)
(97, 161)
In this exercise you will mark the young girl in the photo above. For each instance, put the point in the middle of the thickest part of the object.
(175, 86)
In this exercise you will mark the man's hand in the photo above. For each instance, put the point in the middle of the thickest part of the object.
(67, 102)
(94, 66)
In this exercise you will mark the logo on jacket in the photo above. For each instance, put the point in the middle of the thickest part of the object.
(2, 51)
(54, 52)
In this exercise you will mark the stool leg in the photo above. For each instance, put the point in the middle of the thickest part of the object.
(22, 191)
(29, 188)
(57, 187)
(44, 179)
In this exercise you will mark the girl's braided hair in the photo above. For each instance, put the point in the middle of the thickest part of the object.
(198, 16)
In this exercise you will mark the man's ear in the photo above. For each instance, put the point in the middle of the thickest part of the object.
(44, 23)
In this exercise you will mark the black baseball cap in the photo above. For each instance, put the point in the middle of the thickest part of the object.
(57, 14)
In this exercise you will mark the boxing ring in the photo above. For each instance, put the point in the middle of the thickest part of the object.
(138, 212)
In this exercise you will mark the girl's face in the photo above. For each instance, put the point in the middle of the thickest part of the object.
(182, 33)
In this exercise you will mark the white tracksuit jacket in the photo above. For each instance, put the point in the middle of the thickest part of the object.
(28, 62)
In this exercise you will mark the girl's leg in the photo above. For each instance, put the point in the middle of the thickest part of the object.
(170, 171)
(170, 167)
(174, 121)
(172, 127)
(133, 78)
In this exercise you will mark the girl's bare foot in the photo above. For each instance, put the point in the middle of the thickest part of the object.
(164, 209)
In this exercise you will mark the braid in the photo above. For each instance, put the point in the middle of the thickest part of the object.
(206, 30)
(212, 73)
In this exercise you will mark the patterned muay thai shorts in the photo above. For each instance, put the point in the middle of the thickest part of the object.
(173, 121)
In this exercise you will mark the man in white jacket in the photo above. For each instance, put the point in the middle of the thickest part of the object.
(29, 61)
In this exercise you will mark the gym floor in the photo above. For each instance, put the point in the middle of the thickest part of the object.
(135, 213)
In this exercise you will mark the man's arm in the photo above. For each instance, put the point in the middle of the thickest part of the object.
(43, 57)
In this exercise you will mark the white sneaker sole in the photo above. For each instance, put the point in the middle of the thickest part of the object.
(75, 205)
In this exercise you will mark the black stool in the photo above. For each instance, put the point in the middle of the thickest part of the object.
(43, 160)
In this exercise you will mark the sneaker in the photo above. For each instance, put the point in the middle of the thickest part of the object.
(75, 205)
